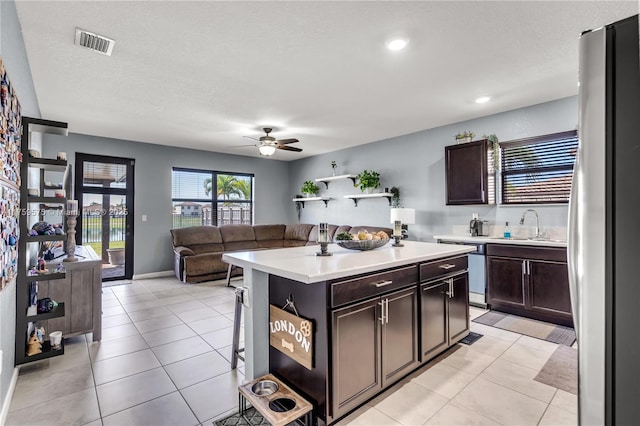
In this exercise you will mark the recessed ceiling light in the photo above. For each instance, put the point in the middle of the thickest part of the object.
(397, 44)
(483, 99)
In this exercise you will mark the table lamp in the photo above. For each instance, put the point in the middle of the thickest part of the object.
(398, 217)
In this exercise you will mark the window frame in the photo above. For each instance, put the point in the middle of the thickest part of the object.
(214, 200)
(528, 142)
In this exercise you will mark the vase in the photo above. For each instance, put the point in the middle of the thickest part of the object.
(368, 190)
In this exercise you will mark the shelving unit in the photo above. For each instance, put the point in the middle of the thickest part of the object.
(326, 180)
(357, 197)
(303, 200)
(30, 246)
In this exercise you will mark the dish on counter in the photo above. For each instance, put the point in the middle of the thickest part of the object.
(362, 245)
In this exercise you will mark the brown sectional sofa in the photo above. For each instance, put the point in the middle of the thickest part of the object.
(198, 249)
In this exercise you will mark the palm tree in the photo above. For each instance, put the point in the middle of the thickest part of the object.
(244, 186)
(226, 186)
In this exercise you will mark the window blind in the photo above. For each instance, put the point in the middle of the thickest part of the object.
(538, 170)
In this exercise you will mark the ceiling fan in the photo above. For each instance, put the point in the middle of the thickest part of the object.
(267, 145)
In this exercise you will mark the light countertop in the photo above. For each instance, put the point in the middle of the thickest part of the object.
(500, 240)
(302, 264)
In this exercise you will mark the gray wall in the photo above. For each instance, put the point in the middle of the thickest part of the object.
(152, 242)
(415, 164)
(15, 61)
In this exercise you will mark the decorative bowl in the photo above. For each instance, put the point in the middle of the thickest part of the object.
(362, 244)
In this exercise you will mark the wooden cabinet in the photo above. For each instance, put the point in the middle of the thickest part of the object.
(469, 173)
(374, 344)
(529, 281)
(444, 313)
(81, 292)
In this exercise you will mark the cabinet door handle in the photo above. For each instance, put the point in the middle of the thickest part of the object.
(447, 266)
(524, 267)
(382, 283)
(386, 313)
(381, 304)
(528, 267)
(453, 291)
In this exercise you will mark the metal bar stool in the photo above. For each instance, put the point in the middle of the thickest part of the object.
(235, 348)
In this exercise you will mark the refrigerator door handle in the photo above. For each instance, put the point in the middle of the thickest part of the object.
(572, 243)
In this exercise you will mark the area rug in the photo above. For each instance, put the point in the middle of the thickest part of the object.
(561, 370)
(538, 329)
(236, 419)
(471, 338)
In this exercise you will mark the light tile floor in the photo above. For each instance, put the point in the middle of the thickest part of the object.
(165, 360)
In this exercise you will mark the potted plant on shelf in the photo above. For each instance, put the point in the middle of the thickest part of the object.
(334, 165)
(309, 188)
(464, 137)
(395, 198)
(367, 180)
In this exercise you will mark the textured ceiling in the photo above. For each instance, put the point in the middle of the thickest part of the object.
(203, 74)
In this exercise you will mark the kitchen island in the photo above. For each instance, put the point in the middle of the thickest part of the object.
(376, 315)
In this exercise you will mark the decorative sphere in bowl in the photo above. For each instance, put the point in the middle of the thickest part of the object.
(362, 244)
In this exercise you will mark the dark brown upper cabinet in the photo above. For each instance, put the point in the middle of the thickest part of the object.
(470, 175)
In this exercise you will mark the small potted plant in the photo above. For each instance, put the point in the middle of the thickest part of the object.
(395, 198)
(309, 188)
(465, 137)
(367, 180)
(334, 165)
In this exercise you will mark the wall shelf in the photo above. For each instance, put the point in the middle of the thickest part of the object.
(46, 200)
(357, 197)
(326, 180)
(46, 277)
(47, 352)
(48, 164)
(41, 238)
(303, 200)
(57, 312)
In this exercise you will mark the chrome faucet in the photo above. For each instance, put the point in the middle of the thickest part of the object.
(537, 221)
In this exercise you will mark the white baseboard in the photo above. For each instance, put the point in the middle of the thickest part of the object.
(153, 275)
(7, 399)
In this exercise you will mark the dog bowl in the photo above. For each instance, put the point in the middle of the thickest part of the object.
(264, 387)
(281, 405)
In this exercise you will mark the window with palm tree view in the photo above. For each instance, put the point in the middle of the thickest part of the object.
(207, 197)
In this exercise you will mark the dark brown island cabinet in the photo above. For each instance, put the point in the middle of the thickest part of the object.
(529, 281)
(369, 330)
(470, 174)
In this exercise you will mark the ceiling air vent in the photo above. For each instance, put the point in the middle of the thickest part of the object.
(94, 42)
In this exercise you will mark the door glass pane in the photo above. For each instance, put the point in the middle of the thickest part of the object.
(104, 229)
(104, 175)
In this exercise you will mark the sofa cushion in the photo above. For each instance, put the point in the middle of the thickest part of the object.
(269, 232)
(270, 243)
(371, 229)
(299, 232)
(204, 263)
(233, 233)
(207, 248)
(196, 235)
(294, 243)
(240, 245)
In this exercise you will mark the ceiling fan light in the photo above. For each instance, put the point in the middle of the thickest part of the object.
(267, 150)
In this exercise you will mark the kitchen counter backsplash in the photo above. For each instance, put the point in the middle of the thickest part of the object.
(517, 231)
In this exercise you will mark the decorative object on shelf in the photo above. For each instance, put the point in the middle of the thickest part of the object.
(61, 156)
(43, 228)
(71, 213)
(395, 198)
(55, 338)
(34, 153)
(367, 180)
(323, 239)
(496, 149)
(464, 137)
(400, 216)
(34, 347)
(33, 299)
(46, 305)
(299, 206)
(33, 192)
(334, 166)
(309, 188)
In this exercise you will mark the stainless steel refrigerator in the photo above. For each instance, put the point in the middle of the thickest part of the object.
(604, 226)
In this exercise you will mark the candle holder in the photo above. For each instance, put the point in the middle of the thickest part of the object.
(323, 239)
(397, 234)
(71, 236)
